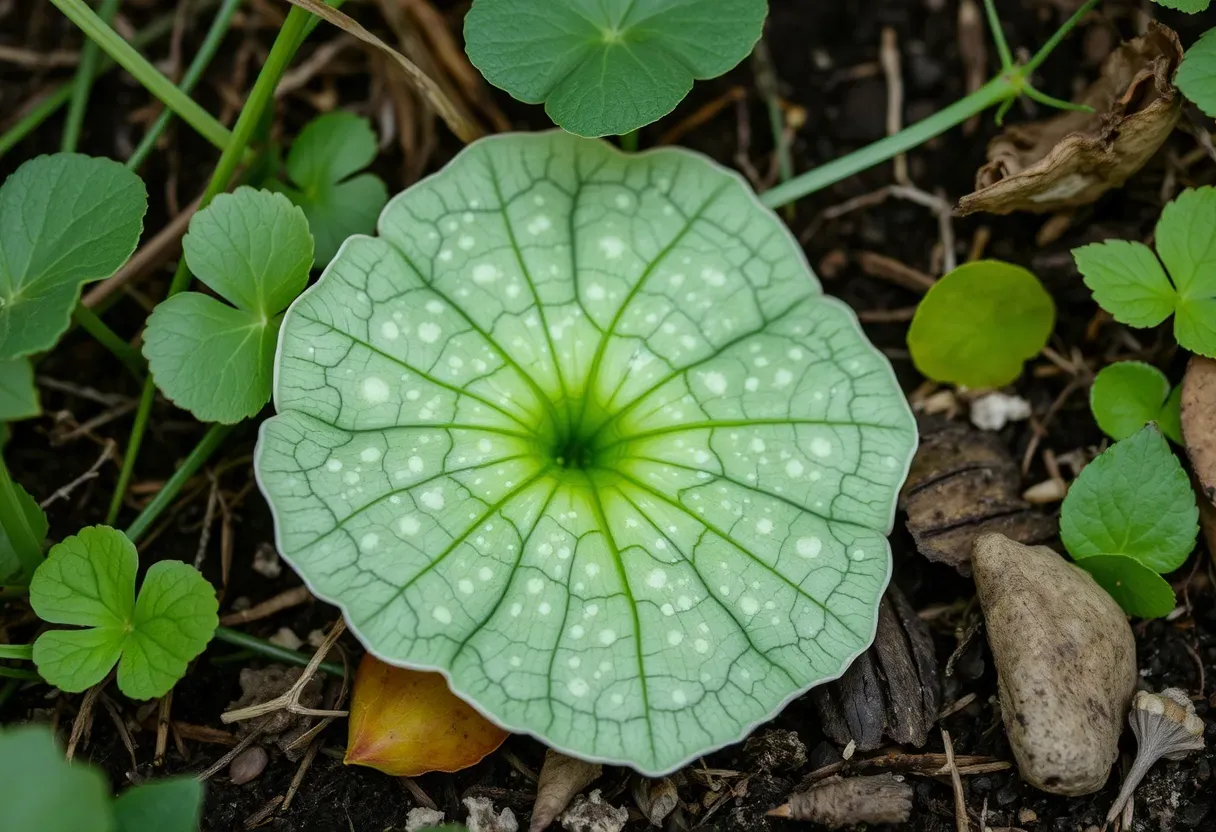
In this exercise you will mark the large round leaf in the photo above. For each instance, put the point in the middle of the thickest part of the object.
(579, 430)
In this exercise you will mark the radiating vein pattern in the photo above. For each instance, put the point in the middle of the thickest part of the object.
(580, 430)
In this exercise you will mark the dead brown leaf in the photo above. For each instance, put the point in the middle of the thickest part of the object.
(1199, 421)
(1075, 157)
(561, 778)
(963, 483)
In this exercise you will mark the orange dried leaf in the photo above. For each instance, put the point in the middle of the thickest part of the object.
(407, 722)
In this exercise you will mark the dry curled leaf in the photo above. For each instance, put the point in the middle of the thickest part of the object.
(963, 483)
(561, 778)
(407, 722)
(1075, 157)
(893, 689)
(839, 801)
(1199, 421)
(655, 799)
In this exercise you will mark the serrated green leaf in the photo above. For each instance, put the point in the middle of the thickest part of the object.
(979, 324)
(171, 805)
(1129, 394)
(1188, 6)
(1134, 500)
(42, 792)
(1138, 590)
(1196, 75)
(65, 220)
(254, 249)
(10, 562)
(209, 358)
(580, 430)
(18, 395)
(1127, 281)
(88, 581)
(331, 148)
(605, 67)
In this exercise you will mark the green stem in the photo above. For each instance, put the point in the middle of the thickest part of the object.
(17, 528)
(1055, 40)
(105, 336)
(273, 651)
(142, 413)
(83, 82)
(18, 652)
(129, 59)
(212, 439)
(1051, 101)
(17, 673)
(993, 92)
(194, 73)
(998, 35)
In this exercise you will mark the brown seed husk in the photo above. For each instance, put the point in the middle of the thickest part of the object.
(1199, 421)
(1075, 157)
(561, 778)
(837, 802)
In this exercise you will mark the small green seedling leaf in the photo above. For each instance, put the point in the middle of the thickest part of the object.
(1128, 280)
(10, 561)
(1196, 75)
(606, 68)
(580, 430)
(1138, 590)
(170, 805)
(980, 323)
(254, 250)
(65, 220)
(40, 790)
(1134, 501)
(18, 395)
(322, 165)
(88, 581)
(1128, 395)
(1188, 6)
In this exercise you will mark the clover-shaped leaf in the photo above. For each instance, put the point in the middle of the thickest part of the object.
(40, 790)
(1128, 280)
(1129, 394)
(18, 396)
(1132, 513)
(980, 323)
(254, 250)
(88, 581)
(611, 66)
(1196, 75)
(580, 430)
(65, 220)
(321, 165)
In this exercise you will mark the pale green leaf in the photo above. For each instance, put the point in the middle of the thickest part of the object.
(10, 562)
(18, 395)
(42, 792)
(1127, 281)
(1134, 500)
(1139, 590)
(209, 358)
(1127, 395)
(65, 220)
(979, 324)
(606, 67)
(580, 430)
(88, 580)
(1195, 325)
(1196, 75)
(171, 805)
(252, 248)
(329, 150)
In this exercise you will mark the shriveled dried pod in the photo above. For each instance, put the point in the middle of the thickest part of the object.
(839, 801)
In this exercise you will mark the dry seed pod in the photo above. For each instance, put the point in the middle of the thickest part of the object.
(561, 778)
(1165, 725)
(838, 801)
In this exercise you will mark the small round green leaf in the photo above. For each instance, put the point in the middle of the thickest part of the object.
(1135, 500)
(1139, 590)
(579, 430)
(42, 792)
(65, 220)
(1128, 395)
(170, 805)
(323, 160)
(979, 324)
(1196, 75)
(606, 68)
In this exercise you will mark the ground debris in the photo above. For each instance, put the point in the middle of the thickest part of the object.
(248, 765)
(421, 818)
(280, 727)
(893, 689)
(483, 819)
(561, 778)
(963, 483)
(655, 799)
(776, 750)
(840, 801)
(993, 411)
(594, 814)
(1065, 659)
(1075, 157)
(1199, 421)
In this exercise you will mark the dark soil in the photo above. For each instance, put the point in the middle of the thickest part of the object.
(825, 55)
